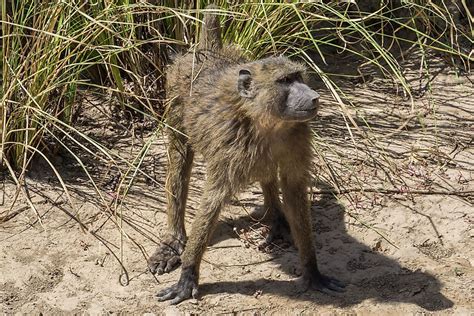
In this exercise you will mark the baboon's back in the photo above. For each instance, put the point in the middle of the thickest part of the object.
(200, 81)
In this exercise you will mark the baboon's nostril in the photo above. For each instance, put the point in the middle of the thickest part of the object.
(315, 96)
(315, 101)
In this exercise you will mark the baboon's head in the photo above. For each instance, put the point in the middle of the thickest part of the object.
(276, 86)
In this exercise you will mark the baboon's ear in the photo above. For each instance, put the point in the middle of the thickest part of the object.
(244, 83)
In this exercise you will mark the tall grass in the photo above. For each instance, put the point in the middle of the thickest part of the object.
(54, 51)
(50, 50)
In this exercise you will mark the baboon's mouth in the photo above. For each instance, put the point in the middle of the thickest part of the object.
(308, 107)
(304, 114)
(311, 109)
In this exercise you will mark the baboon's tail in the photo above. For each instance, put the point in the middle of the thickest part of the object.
(211, 30)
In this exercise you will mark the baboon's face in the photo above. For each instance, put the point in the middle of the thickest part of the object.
(296, 101)
(286, 97)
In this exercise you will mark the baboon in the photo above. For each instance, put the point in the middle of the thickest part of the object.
(249, 120)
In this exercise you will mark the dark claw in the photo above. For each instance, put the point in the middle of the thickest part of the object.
(172, 264)
(184, 296)
(340, 285)
(160, 269)
(167, 293)
(186, 287)
(328, 285)
(167, 256)
(313, 279)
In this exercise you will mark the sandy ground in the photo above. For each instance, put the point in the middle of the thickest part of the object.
(398, 252)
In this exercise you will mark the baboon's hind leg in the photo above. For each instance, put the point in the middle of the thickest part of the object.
(280, 229)
(167, 256)
(297, 211)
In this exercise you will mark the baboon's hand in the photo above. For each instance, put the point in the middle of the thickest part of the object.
(186, 287)
(167, 256)
(322, 283)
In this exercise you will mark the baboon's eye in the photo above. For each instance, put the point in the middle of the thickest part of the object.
(286, 80)
(290, 78)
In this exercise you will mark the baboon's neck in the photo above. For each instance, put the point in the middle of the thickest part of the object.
(269, 126)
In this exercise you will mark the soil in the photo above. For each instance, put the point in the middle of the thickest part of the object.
(392, 215)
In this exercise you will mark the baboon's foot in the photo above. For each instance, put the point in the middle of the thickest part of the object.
(280, 230)
(167, 256)
(322, 283)
(279, 235)
(186, 287)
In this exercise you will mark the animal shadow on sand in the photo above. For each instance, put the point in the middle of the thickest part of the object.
(367, 273)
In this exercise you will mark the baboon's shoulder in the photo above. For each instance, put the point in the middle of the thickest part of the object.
(196, 66)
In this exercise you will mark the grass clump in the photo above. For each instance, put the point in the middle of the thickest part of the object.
(50, 50)
(54, 52)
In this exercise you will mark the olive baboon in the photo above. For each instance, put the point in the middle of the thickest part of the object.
(249, 120)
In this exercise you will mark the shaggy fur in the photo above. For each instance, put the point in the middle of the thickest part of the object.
(242, 139)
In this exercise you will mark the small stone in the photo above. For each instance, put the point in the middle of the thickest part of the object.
(257, 293)
(458, 272)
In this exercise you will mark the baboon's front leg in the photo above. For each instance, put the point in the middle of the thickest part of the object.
(167, 256)
(297, 210)
(213, 200)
